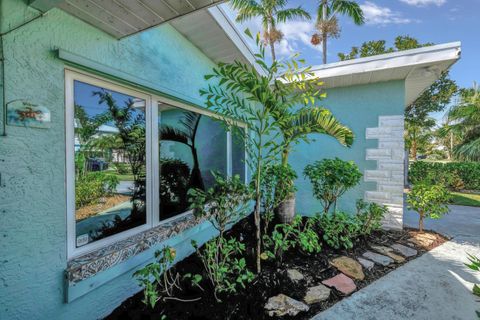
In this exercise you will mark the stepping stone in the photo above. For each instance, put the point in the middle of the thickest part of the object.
(282, 305)
(367, 264)
(317, 294)
(388, 252)
(342, 283)
(294, 275)
(404, 250)
(378, 258)
(348, 266)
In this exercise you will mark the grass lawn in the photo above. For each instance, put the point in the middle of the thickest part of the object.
(466, 199)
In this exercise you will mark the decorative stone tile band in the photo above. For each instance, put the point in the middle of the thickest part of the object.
(92, 263)
(389, 173)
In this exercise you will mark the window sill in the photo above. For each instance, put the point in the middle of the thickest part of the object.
(92, 263)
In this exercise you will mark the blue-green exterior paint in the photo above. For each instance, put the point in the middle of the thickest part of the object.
(357, 107)
(32, 161)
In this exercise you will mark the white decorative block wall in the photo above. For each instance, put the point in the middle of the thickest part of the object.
(389, 173)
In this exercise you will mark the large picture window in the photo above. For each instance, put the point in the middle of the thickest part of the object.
(121, 178)
(192, 145)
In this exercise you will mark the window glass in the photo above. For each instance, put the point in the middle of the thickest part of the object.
(192, 145)
(110, 161)
(238, 152)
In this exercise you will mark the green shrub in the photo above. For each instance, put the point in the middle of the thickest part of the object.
(331, 178)
(92, 186)
(453, 175)
(292, 235)
(339, 230)
(369, 216)
(223, 204)
(224, 270)
(430, 201)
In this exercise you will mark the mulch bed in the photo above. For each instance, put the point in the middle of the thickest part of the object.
(249, 303)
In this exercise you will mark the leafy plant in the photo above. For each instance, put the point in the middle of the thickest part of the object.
(224, 270)
(223, 204)
(292, 235)
(331, 178)
(157, 279)
(369, 216)
(430, 201)
(474, 265)
(339, 230)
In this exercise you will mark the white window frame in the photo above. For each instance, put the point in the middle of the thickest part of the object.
(152, 102)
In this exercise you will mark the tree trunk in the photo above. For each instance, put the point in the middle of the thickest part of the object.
(272, 48)
(324, 32)
(414, 149)
(420, 223)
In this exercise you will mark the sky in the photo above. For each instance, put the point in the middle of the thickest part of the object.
(437, 21)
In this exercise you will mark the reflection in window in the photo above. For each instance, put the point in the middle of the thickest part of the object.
(192, 145)
(110, 160)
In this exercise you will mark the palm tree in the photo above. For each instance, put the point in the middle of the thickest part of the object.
(465, 118)
(327, 22)
(190, 122)
(271, 12)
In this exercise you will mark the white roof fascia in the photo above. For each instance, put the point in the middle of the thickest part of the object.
(234, 34)
(425, 55)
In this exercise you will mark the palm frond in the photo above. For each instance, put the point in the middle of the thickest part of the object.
(350, 9)
(292, 13)
(190, 122)
(469, 151)
(170, 133)
(317, 120)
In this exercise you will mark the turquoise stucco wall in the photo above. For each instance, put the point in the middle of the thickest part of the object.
(32, 202)
(358, 107)
(32, 161)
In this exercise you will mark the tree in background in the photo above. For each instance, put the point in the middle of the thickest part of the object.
(327, 22)
(434, 99)
(465, 119)
(271, 12)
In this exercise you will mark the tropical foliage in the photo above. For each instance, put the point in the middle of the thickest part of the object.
(327, 23)
(465, 122)
(278, 104)
(271, 12)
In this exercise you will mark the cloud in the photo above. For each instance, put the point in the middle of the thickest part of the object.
(423, 3)
(374, 14)
(297, 34)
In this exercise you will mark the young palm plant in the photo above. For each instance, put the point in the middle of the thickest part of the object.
(327, 22)
(271, 13)
(278, 105)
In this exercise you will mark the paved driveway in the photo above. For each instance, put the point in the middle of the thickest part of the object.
(436, 286)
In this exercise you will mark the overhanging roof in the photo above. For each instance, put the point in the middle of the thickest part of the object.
(202, 22)
(121, 18)
(418, 67)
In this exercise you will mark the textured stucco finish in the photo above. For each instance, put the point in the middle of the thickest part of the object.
(32, 203)
(358, 107)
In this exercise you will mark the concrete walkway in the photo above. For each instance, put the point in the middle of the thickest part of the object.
(436, 286)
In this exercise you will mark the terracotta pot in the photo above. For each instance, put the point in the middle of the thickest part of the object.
(286, 210)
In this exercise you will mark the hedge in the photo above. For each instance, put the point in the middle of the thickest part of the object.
(454, 175)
